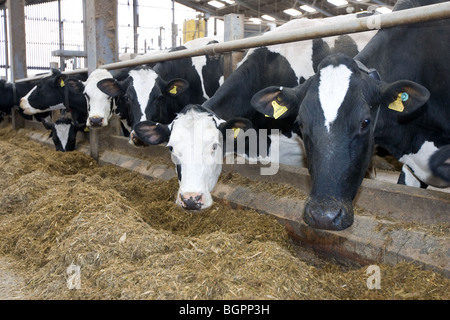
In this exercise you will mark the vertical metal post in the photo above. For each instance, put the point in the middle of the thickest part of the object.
(62, 62)
(234, 29)
(174, 26)
(5, 30)
(136, 25)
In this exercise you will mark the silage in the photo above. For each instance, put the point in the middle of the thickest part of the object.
(131, 241)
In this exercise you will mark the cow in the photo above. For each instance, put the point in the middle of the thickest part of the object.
(386, 97)
(63, 133)
(100, 106)
(10, 95)
(160, 92)
(289, 63)
(196, 139)
(51, 93)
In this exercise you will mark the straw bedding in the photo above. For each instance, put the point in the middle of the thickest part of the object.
(130, 241)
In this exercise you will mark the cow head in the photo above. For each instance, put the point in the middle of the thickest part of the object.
(47, 95)
(100, 106)
(337, 110)
(142, 96)
(196, 139)
(64, 133)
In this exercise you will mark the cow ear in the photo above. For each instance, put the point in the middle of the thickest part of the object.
(60, 81)
(111, 87)
(74, 85)
(176, 87)
(151, 132)
(404, 96)
(237, 125)
(275, 102)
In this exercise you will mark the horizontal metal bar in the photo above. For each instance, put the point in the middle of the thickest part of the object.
(69, 53)
(352, 25)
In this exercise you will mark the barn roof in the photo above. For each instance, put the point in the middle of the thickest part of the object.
(276, 8)
(273, 8)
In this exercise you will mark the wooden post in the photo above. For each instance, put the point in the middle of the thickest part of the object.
(234, 29)
(102, 48)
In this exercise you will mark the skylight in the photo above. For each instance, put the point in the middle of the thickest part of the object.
(307, 8)
(292, 12)
(338, 3)
(266, 17)
(216, 4)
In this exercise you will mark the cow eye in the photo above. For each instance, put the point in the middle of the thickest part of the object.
(170, 148)
(214, 147)
(365, 123)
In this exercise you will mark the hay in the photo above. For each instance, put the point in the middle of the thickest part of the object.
(132, 242)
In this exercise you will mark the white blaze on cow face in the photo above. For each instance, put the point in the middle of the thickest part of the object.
(196, 144)
(99, 103)
(143, 82)
(333, 87)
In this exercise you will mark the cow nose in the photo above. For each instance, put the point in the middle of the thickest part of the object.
(191, 200)
(96, 121)
(328, 215)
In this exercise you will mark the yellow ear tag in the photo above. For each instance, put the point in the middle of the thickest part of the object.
(62, 84)
(397, 105)
(236, 132)
(278, 110)
(173, 90)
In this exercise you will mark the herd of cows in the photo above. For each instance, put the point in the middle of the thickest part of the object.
(325, 102)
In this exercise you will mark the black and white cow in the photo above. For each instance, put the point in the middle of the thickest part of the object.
(160, 92)
(344, 110)
(63, 133)
(10, 95)
(51, 93)
(289, 63)
(196, 138)
(100, 107)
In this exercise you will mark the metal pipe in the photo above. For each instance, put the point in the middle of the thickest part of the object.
(352, 25)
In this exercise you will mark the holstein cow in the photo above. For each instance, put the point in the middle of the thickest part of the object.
(10, 95)
(100, 106)
(51, 93)
(160, 92)
(63, 133)
(344, 110)
(289, 64)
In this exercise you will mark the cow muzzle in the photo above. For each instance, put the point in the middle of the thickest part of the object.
(329, 215)
(191, 200)
(96, 122)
